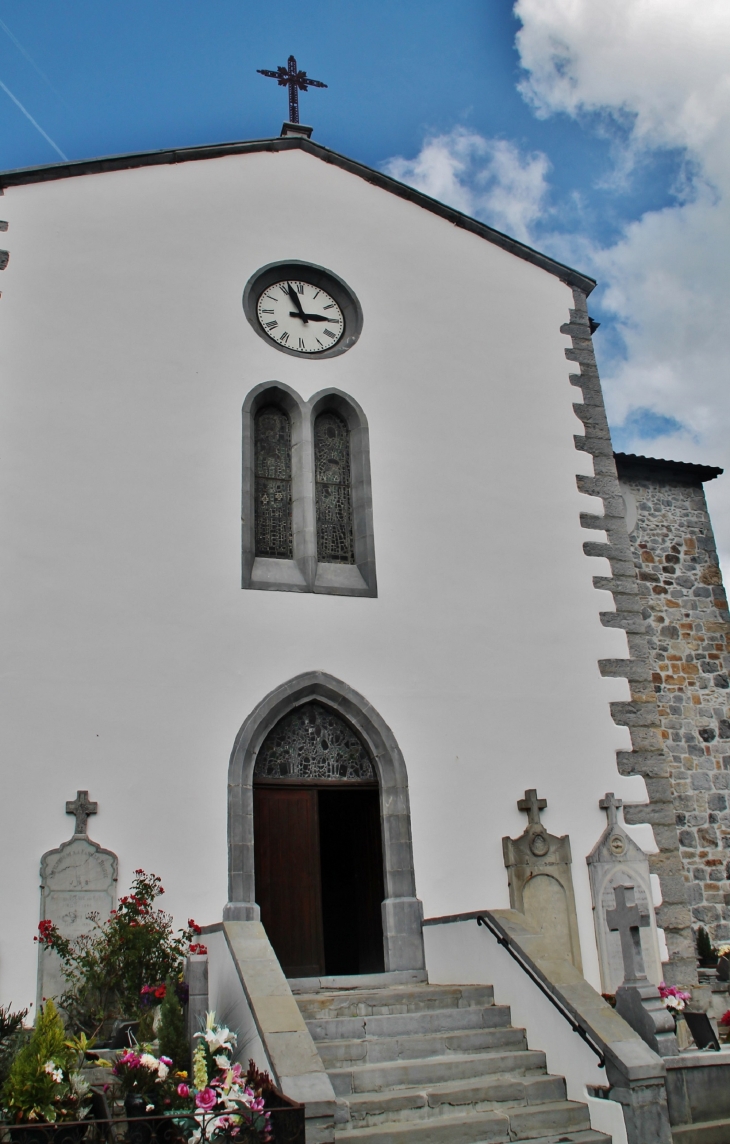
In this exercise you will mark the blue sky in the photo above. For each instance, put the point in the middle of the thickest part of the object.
(594, 129)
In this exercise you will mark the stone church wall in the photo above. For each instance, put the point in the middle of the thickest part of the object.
(688, 627)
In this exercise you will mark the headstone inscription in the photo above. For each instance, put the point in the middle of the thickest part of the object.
(616, 861)
(77, 879)
(541, 883)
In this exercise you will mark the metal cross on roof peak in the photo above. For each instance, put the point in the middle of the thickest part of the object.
(532, 805)
(295, 80)
(611, 805)
(82, 808)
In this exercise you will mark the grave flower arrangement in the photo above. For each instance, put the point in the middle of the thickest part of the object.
(226, 1102)
(674, 998)
(142, 1075)
(45, 1084)
(111, 971)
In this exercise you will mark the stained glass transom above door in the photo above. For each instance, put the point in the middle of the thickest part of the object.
(313, 743)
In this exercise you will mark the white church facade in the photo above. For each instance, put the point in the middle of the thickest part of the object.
(314, 565)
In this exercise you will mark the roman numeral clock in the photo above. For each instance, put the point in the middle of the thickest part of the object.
(302, 309)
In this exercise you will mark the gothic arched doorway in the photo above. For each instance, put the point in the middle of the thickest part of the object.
(401, 911)
(317, 846)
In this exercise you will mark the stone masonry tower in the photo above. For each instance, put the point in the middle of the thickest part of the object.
(688, 627)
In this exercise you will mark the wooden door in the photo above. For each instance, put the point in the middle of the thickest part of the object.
(288, 881)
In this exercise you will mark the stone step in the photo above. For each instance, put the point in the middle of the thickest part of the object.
(359, 981)
(377, 1050)
(704, 1132)
(408, 1024)
(556, 1119)
(490, 1094)
(398, 999)
(433, 1070)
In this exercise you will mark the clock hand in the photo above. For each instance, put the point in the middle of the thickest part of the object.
(295, 299)
(314, 318)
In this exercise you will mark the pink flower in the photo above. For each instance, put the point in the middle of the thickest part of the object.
(207, 1099)
(166, 1061)
(183, 1090)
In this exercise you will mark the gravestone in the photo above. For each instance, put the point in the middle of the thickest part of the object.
(541, 883)
(77, 879)
(637, 999)
(616, 861)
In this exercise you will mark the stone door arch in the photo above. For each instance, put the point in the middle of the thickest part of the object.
(402, 911)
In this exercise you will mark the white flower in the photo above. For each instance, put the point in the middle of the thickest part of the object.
(149, 1108)
(57, 1073)
(672, 1002)
(218, 1038)
(148, 1061)
(162, 1071)
(78, 1084)
(222, 1062)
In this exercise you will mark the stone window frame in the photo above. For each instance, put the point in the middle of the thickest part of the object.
(303, 573)
(402, 910)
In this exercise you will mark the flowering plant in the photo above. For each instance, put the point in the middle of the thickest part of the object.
(228, 1103)
(111, 970)
(724, 951)
(45, 1082)
(674, 998)
(725, 1019)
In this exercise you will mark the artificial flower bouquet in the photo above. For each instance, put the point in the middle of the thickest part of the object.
(226, 1102)
(141, 1078)
(674, 998)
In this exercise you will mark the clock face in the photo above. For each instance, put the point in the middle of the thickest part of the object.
(300, 317)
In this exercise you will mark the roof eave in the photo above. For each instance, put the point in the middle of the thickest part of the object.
(76, 168)
(684, 470)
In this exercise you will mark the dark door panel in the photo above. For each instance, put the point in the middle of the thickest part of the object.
(288, 881)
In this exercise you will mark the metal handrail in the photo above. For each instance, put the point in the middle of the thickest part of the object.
(575, 1026)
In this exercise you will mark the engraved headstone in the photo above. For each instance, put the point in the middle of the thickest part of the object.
(637, 999)
(617, 861)
(541, 883)
(77, 879)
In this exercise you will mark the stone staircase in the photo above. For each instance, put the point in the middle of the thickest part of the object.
(435, 1064)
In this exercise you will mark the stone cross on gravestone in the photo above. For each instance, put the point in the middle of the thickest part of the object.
(532, 805)
(82, 808)
(628, 919)
(611, 805)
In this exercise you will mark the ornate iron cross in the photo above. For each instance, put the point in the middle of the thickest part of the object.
(628, 920)
(82, 808)
(295, 80)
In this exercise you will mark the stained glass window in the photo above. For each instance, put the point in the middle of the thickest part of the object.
(313, 743)
(332, 483)
(273, 483)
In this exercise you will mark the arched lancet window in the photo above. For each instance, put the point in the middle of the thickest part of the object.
(313, 743)
(333, 490)
(273, 518)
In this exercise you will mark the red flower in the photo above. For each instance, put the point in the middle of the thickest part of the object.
(725, 1019)
(193, 925)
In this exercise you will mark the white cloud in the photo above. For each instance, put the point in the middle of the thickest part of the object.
(489, 179)
(660, 68)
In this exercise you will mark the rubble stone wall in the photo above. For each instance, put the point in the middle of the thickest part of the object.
(688, 627)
